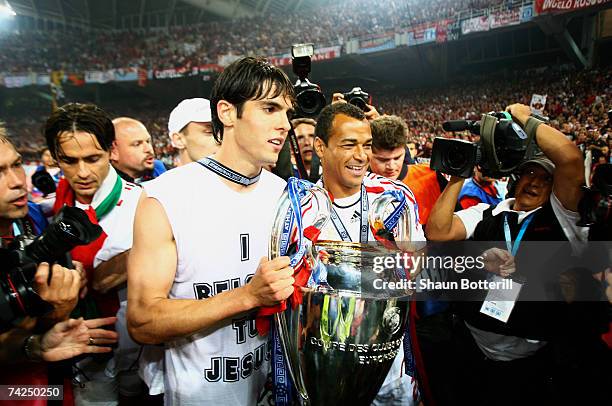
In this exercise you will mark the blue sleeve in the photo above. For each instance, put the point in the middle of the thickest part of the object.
(158, 168)
(38, 217)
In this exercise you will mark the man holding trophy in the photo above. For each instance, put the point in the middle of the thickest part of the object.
(344, 145)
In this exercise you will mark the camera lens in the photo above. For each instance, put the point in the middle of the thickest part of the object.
(357, 101)
(456, 157)
(310, 102)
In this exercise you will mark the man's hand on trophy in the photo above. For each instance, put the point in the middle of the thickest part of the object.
(272, 282)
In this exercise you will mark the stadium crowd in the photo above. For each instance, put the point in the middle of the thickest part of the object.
(576, 105)
(75, 51)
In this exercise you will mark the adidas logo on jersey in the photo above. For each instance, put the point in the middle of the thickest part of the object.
(355, 217)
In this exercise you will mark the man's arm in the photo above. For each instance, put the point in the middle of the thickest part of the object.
(110, 274)
(443, 224)
(154, 318)
(568, 160)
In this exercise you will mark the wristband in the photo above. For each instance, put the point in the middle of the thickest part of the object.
(531, 127)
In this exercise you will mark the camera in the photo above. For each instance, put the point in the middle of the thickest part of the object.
(310, 100)
(359, 98)
(502, 147)
(18, 262)
(44, 182)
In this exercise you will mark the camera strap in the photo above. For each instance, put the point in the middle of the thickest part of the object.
(363, 225)
(23, 227)
(297, 155)
(228, 173)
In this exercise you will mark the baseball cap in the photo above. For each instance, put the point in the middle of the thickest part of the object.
(189, 110)
(541, 160)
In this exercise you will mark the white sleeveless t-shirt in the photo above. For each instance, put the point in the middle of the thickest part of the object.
(220, 237)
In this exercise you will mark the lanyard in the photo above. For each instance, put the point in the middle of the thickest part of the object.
(363, 225)
(228, 173)
(514, 248)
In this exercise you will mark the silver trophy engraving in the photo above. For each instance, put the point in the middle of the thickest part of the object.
(340, 342)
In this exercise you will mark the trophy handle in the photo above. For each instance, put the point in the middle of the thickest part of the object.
(391, 203)
(289, 215)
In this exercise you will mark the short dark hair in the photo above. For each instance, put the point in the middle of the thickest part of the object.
(299, 121)
(3, 134)
(74, 117)
(247, 79)
(389, 132)
(327, 115)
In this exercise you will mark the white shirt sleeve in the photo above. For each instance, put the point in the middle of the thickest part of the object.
(568, 219)
(470, 217)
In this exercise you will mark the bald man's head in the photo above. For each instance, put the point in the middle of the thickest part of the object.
(132, 151)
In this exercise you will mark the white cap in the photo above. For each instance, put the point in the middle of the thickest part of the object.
(189, 110)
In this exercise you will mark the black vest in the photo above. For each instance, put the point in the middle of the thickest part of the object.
(536, 320)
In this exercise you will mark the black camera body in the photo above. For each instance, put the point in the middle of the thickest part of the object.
(19, 262)
(358, 97)
(502, 147)
(309, 98)
(43, 182)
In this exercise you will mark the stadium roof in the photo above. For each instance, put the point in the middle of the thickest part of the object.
(149, 13)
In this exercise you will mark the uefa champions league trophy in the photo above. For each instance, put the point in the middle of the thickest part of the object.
(340, 340)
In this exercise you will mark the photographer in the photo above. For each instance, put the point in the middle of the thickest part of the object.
(52, 337)
(526, 349)
(18, 216)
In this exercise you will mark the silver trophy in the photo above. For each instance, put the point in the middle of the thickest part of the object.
(340, 342)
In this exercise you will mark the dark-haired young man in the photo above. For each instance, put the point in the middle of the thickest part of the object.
(196, 271)
(80, 137)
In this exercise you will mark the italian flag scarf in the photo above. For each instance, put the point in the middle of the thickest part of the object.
(104, 305)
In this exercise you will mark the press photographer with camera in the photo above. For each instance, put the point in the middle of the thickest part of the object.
(358, 98)
(528, 349)
(59, 287)
(27, 340)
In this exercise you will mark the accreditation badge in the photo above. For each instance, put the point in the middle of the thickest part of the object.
(499, 302)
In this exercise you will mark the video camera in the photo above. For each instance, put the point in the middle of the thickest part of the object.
(18, 262)
(359, 98)
(502, 147)
(310, 100)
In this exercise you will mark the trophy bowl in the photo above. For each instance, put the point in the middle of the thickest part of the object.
(340, 342)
